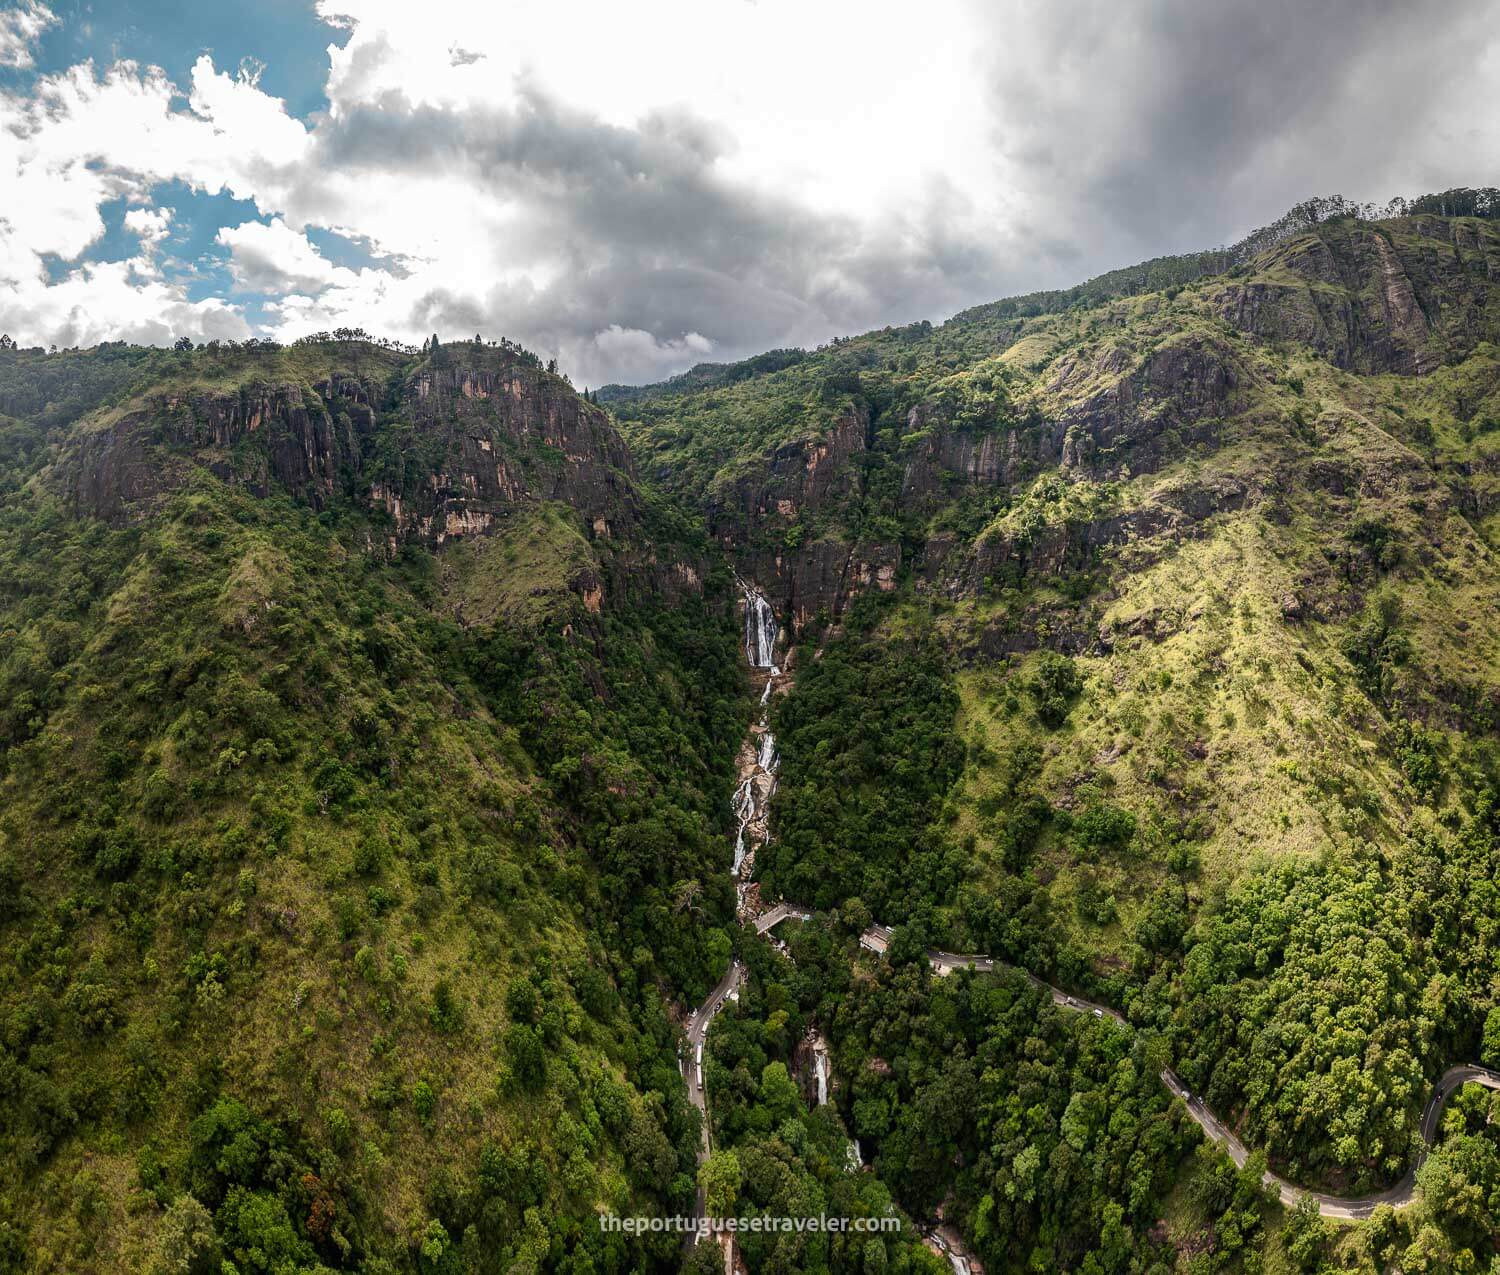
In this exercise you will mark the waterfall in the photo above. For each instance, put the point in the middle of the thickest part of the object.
(744, 812)
(750, 800)
(820, 1070)
(760, 629)
(854, 1159)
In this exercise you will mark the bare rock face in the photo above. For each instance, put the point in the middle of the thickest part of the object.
(947, 459)
(512, 435)
(271, 434)
(1141, 413)
(796, 479)
(1401, 297)
(448, 451)
(809, 581)
(459, 447)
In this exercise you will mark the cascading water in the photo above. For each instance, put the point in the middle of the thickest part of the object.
(744, 812)
(758, 775)
(820, 1070)
(760, 629)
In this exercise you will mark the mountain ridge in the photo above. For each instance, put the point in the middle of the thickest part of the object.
(368, 752)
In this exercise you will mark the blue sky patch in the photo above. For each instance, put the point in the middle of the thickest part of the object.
(285, 37)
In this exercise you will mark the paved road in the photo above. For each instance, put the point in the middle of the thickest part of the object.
(878, 937)
(690, 1063)
(1349, 1207)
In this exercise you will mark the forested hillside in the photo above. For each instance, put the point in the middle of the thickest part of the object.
(1148, 641)
(348, 874)
(370, 721)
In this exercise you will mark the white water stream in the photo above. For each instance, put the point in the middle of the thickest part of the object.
(760, 628)
(758, 774)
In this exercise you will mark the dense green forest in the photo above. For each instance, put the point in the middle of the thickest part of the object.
(868, 751)
(369, 719)
(1199, 722)
(315, 899)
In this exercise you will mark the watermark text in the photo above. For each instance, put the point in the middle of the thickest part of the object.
(755, 1224)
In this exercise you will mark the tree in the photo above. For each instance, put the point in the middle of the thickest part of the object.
(185, 1240)
(1489, 1049)
(1054, 687)
(778, 1093)
(183, 343)
(855, 916)
(1429, 1253)
(720, 1179)
(704, 1258)
(1306, 1235)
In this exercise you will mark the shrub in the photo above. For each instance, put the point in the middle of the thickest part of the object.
(528, 1062)
(445, 1014)
(185, 1242)
(1102, 826)
(340, 1129)
(1054, 688)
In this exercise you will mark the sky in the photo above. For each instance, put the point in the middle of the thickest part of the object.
(634, 188)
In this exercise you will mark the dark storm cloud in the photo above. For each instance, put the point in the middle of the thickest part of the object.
(1120, 131)
(648, 235)
(1174, 124)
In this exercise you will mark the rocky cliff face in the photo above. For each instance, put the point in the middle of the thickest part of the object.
(1111, 413)
(1402, 297)
(799, 484)
(947, 458)
(444, 450)
(451, 449)
(512, 434)
(1109, 397)
(300, 438)
(1121, 415)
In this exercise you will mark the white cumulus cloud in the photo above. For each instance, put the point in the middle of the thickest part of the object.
(20, 28)
(276, 258)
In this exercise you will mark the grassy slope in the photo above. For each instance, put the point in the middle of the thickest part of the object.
(264, 839)
(1229, 703)
(1209, 711)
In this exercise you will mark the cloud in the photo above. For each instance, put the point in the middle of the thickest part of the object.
(151, 224)
(689, 177)
(20, 28)
(634, 348)
(118, 301)
(1183, 125)
(276, 258)
(79, 140)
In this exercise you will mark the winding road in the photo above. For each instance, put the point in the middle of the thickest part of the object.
(760, 641)
(877, 938)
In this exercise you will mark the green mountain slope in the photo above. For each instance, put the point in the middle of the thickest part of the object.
(1209, 573)
(368, 733)
(344, 858)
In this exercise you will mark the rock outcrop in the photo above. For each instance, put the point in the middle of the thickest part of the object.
(438, 450)
(1403, 296)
